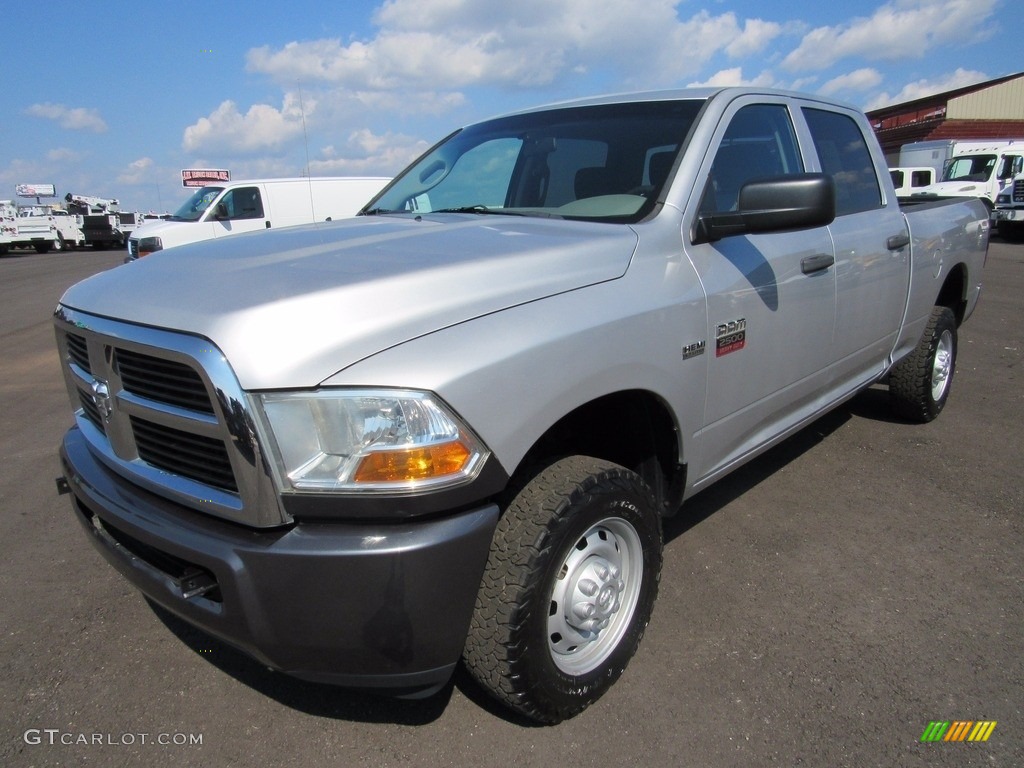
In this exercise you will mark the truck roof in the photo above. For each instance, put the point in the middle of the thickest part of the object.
(676, 94)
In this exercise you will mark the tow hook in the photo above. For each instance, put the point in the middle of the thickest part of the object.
(62, 486)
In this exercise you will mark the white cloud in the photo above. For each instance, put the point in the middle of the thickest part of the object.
(263, 127)
(859, 80)
(137, 172)
(71, 118)
(729, 77)
(902, 29)
(921, 88)
(524, 44)
(62, 155)
(756, 36)
(368, 153)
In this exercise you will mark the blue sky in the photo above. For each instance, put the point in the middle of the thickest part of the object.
(114, 98)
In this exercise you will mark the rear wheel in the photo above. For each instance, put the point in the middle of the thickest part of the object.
(919, 384)
(568, 588)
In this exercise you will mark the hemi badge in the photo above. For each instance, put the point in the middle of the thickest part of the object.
(694, 350)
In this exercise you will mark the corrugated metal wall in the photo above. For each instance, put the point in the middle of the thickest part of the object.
(1000, 102)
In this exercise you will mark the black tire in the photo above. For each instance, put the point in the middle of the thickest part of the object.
(58, 244)
(561, 538)
(42, 247)
(919, 384)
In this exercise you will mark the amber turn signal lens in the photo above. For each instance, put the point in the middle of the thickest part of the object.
(410, 464)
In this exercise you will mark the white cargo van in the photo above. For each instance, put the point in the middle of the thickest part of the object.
(234, 207)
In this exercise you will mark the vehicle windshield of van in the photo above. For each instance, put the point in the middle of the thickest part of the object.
(606, 163)
(194, 208)
(970, 168)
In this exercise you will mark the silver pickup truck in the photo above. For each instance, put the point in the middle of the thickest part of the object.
(449, 429)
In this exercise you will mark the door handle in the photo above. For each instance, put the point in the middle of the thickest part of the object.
(813, 264)
(896, 242)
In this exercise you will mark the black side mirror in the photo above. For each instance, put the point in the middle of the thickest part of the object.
(773, 204)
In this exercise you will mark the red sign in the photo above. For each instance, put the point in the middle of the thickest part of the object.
(201, 177)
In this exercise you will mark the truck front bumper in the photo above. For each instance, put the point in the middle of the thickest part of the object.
(1008, 215)
(362, 605)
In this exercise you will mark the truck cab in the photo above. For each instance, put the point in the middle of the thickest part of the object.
(979, 171)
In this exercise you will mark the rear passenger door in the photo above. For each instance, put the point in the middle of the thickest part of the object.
(770, 297)
(872, 249)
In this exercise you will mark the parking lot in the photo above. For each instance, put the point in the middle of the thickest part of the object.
(819, 607)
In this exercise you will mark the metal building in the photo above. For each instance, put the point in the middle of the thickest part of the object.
(989, 110)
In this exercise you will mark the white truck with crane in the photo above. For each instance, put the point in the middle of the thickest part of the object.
(101, 221)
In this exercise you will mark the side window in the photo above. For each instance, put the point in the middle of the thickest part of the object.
(758, 143)
(920, 179)
(243, 203)
(844, 155)
(1010, 167)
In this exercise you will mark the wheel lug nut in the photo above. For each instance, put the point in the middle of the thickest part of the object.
(584, 610)
(602, 572)
(587, 587)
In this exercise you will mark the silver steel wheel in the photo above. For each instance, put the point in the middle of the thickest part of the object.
(594, 596)
(942, 365)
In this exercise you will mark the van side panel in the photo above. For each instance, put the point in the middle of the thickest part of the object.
(312, 200)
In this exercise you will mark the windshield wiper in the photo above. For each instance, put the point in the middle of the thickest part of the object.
(480, 209)
(378, 212)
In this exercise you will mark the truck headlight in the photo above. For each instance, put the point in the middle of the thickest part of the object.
(372, 440)
(148, 245)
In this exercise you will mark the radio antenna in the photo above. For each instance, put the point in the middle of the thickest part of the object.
(305, 143)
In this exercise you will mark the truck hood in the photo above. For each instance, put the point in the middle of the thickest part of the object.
(171, 232)
(954, 189)
(290, 308)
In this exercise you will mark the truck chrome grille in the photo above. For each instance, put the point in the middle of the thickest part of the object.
(202, 459)
(78, 351)
(165, 381)
(91, 412)
(165, 411)
(1018, 191)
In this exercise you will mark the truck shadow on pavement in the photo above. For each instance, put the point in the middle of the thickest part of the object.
(329, 701)
(871, 404)
(316, 699)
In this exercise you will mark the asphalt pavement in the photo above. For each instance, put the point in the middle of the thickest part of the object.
(819, 607)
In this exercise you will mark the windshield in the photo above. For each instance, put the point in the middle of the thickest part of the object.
(970, 168)
(195, 206)
(607, 162)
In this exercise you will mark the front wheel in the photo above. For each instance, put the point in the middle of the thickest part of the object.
(919, 384)
(568, 588)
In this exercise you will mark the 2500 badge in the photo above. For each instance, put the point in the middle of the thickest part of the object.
(730, 337)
